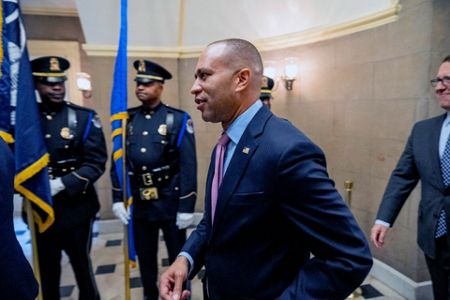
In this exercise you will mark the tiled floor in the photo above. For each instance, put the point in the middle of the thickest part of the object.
(108, 266)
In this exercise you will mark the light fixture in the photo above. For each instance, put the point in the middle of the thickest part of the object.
(290, 71)
(271, 71)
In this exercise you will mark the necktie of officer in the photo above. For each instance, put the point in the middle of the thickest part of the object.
(218, 171)
(441, 229)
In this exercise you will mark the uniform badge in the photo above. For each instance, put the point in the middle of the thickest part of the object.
(246, 150)
(141, 67)
(264, 82)
(65, 133)
(162, 130)
(54, 64)
(96, 121)
(190, 126)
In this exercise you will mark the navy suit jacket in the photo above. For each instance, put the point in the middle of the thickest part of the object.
(277, 205)
(16, 277)
(419, 161)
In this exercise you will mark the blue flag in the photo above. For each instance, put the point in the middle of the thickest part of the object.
(119, 103)
(5, 88)
(16, 87)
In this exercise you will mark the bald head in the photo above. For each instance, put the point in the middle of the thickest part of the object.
(240, 54)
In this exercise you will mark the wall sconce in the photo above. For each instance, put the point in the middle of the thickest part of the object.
(290, 72)
(270, 70)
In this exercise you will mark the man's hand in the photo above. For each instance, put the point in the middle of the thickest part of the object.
(120, 212)
(56, 186)
(184, 220)
(171, 281)
(377, 235)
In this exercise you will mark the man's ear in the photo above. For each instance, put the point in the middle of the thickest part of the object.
(243, 79)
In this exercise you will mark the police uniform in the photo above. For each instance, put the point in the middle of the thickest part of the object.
(162, 166)
(76, 145)
(267, 84)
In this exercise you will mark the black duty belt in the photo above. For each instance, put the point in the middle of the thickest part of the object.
(62, 167)
(148, 183)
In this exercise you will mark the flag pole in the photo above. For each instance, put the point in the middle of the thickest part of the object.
(125, 202)
(35, 254)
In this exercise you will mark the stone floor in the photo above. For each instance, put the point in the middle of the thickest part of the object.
(108, 266)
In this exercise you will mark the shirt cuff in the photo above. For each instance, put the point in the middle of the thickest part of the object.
(189, 258)
(379, 222)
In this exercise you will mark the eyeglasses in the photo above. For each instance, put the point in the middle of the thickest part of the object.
(444, 80)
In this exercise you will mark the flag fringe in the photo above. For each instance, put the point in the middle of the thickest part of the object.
(43, 225)
(8, 138)
(31, 170)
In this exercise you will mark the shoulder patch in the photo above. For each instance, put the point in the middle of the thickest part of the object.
(96, 121)
(190, 126)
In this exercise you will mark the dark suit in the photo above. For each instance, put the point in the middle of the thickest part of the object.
(76, 145)
(419, 161)
(153, 144)
(276, 205)
(16, 277)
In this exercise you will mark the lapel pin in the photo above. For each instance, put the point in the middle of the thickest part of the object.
(246, 150)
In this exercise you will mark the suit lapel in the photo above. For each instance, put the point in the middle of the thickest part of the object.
(243, 153)
(434, 151)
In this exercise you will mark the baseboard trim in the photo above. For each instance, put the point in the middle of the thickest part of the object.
(400, 283)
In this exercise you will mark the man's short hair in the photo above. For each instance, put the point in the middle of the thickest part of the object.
(246, 51)
(446, 59)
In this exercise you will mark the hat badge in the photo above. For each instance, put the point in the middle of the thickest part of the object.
(141, 67)
(54, 64)
(264, 82)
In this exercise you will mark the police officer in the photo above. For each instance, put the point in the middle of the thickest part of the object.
(76, 145)
(162, 167)
(267, 84)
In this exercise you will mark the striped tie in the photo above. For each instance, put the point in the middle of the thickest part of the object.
(441, 229)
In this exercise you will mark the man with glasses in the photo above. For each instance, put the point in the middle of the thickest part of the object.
(426, 158)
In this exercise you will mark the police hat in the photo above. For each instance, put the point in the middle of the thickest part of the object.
(148, 71)
(267, 84)
(50, 68)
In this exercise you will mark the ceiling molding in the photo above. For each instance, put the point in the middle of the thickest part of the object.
(50, 11)
(273, 43)
(330, 32)
(110, 50)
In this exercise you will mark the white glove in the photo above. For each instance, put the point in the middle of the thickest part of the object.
(184, 220)
(56, 186)
(121, 213)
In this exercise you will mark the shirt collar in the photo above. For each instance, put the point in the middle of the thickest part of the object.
(237, 128)
(447, 119)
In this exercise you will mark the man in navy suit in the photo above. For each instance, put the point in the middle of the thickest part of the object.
(276, 204)
(16, 277)
(422, 160)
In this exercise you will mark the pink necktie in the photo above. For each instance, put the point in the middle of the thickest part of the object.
(218, 171)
